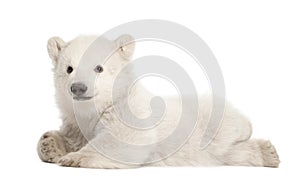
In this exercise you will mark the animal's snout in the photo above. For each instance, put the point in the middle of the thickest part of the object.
(78, 88)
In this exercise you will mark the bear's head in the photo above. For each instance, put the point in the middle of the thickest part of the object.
(95, 79)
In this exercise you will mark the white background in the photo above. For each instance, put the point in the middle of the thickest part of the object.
(257, 44)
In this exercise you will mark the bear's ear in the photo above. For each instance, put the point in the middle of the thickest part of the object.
(126, 45)
(55, 45)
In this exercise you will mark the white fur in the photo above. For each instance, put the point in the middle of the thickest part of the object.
(68, 147)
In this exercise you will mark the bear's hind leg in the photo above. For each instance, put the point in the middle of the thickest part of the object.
(252, 153)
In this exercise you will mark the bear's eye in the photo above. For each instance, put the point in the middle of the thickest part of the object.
(98, 69)
(69, 69)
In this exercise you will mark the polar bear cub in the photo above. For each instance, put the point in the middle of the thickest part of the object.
(83, 126)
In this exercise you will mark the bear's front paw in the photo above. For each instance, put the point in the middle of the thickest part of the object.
(51, 147)
(74, 159)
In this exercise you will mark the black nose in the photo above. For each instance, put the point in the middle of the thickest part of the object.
(78, 88)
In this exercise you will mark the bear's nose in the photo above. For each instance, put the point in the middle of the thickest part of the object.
(78, 88)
